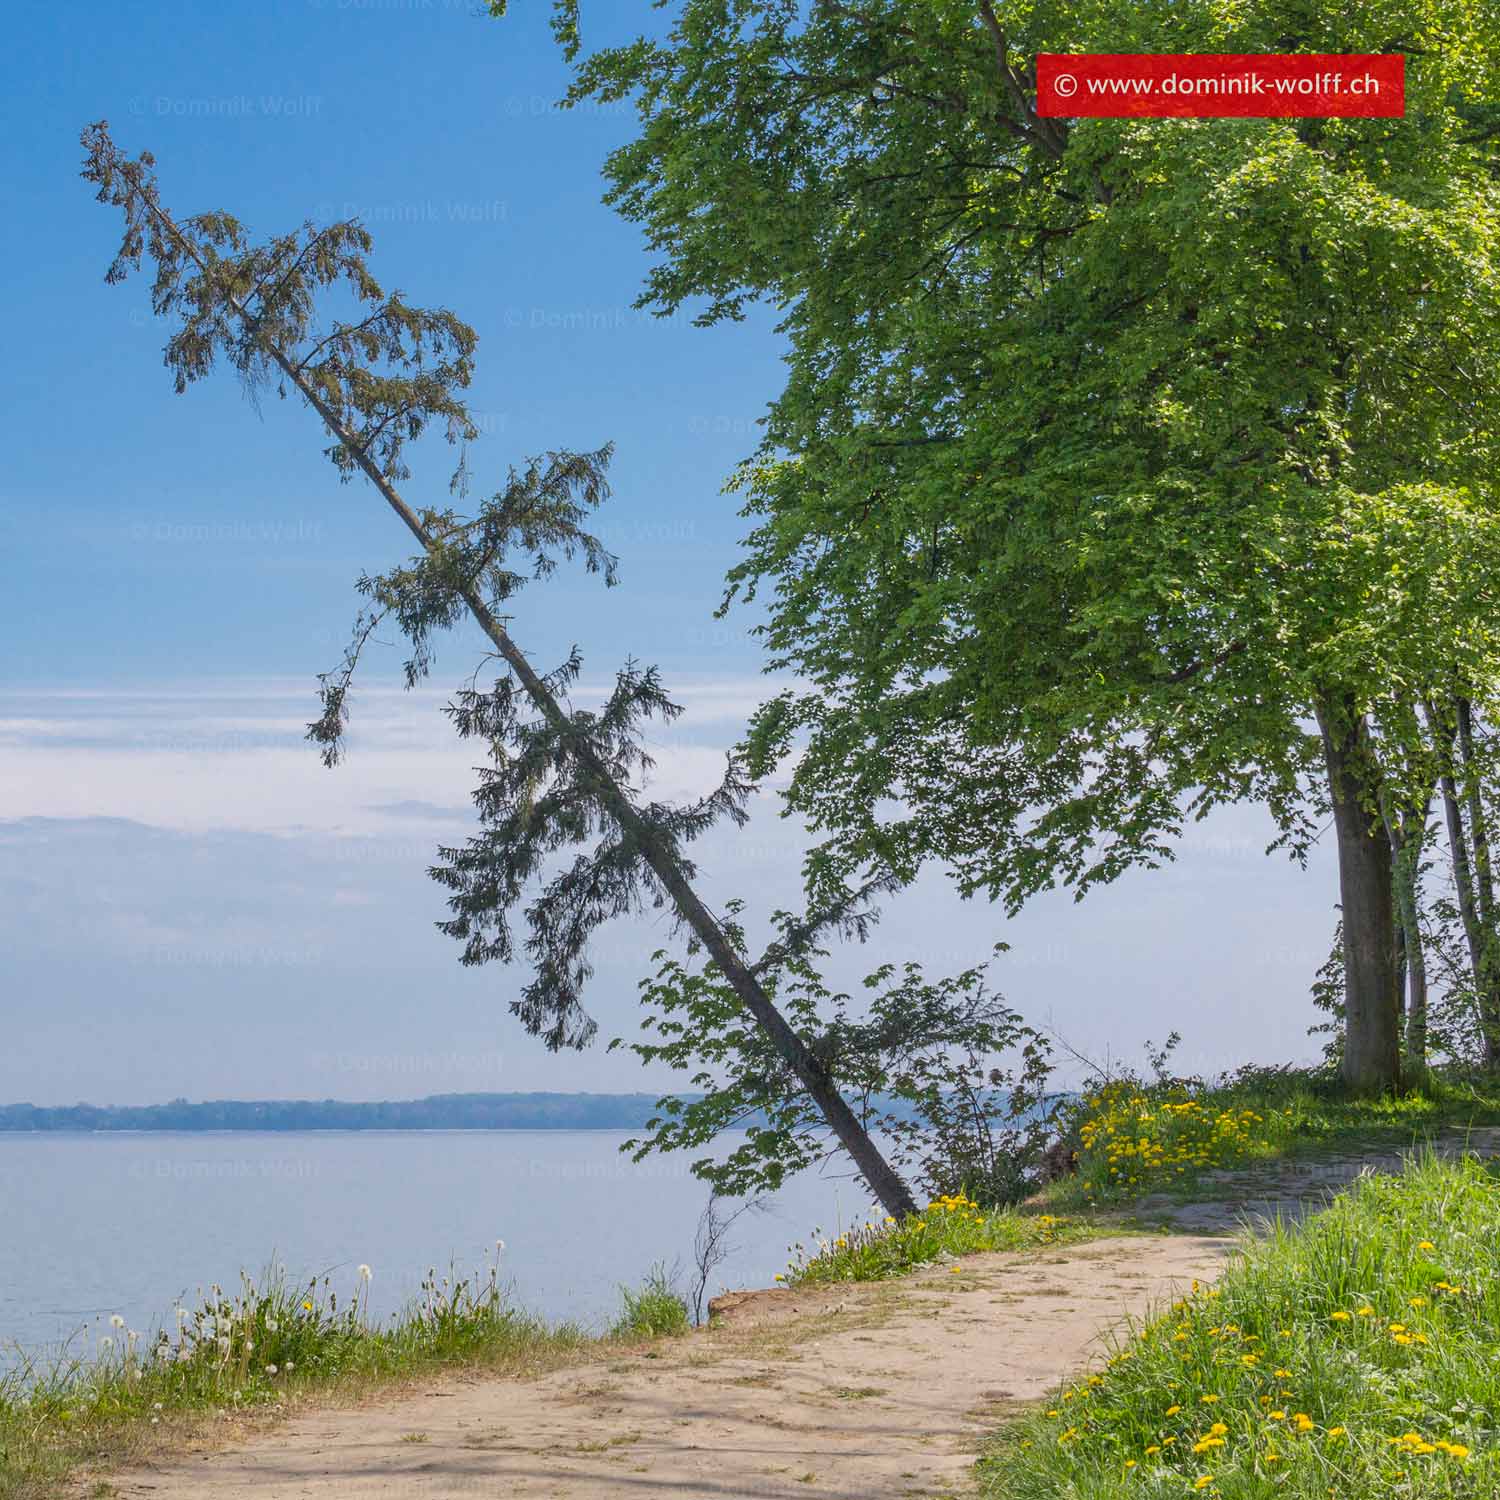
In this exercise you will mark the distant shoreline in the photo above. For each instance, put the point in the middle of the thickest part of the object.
(466, 1112)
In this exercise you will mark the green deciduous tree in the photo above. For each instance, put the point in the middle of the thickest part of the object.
(1124, 468)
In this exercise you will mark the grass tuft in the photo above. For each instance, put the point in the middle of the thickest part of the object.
(656, 1310)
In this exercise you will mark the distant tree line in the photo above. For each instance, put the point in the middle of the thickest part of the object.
(437, 1112)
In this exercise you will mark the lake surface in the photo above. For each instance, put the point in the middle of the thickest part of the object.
(97, 1224)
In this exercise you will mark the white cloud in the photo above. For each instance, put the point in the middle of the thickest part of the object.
(218, 757)
(182, 854)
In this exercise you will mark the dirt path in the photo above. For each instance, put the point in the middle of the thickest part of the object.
(849, 1393)
(1250, 1196)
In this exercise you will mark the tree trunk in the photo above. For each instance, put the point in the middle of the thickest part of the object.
(1372, 1056)
(1487, 972)
(884, 1182)
(1484, 883)
(1482, 969)
(1407, 837)
(1403, 968)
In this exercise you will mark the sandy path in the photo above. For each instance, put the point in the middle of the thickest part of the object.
(847, 1393)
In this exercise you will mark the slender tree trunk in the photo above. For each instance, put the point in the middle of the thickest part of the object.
(1372, 1055)
(884, 1182)
(1403, 973)
(1484, 884)
(1407, 838)
(1482, 968)
(1487, 976)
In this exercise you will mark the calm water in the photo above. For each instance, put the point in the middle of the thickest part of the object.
(92, 1225)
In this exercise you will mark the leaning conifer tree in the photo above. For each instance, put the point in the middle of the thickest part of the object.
(562, 778)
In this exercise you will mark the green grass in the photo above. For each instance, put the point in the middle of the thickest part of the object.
(1134, 1139)
(948, 1228)
(262, 1350)
(1315, 1114)
(655, 1311)
(1355, 1355)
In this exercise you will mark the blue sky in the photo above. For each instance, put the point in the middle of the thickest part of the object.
(191, 904)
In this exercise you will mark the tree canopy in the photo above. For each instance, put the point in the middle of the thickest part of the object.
(1113, 455)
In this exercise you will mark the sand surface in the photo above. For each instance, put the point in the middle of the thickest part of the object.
(853, 1392)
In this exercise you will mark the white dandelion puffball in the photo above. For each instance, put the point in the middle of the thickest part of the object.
(117, 1321)
(270, 1369)
(365, 1273)
(499, 1247)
